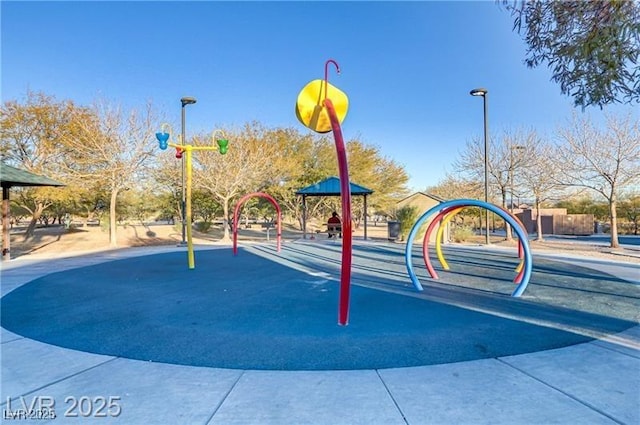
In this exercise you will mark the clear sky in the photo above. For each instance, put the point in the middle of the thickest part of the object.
(407, 67)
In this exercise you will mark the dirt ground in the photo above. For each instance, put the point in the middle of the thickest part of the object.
(56, 240)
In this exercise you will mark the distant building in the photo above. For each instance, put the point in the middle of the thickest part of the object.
(423, 203)
(556, 221)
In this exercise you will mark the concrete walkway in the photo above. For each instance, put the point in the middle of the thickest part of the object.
(590, 383)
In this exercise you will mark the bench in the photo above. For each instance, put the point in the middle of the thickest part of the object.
(334, 229)
(268, 225)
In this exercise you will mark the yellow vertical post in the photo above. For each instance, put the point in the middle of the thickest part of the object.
(190, 255)
(440, 233)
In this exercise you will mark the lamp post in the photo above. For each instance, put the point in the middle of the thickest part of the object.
(511, 167)
(184, 101)
(483, 92)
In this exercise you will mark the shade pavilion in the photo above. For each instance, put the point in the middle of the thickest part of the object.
(331, 187)
(12, 177)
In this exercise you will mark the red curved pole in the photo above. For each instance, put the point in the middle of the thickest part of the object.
(326, 74)
(345, 193)
(427, 237)
(520, 246)
(236, 214)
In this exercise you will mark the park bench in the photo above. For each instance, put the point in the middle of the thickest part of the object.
(267, 225)
(334, 229)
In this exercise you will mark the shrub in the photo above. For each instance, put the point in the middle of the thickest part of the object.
(203, 226)
(407, 217)
(461, 233)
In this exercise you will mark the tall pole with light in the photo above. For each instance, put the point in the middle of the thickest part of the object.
(511, 171)
(483, 92)
(183, 206)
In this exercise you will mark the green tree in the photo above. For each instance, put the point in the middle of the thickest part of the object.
(205, 208)
(630, 210)
(407, 216)
(369, 168)
(592, 47)
(30, 138)
(302, 159)
(584, 205)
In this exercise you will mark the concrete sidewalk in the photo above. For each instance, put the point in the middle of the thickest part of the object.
(591, 383)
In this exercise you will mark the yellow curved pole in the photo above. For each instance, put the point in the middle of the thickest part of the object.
(439, 237)
(440, 233)
(519, 266)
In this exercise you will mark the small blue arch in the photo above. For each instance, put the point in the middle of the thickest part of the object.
(528, 265)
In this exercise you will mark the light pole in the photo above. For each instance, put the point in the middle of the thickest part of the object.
(483, 92)
(511, 167)
(184, 101)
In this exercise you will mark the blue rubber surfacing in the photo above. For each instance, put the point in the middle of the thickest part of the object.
(261, 310)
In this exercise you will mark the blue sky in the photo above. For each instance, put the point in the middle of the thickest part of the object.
(407, 67)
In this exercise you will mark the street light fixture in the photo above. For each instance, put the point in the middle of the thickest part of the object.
(483, 92)
(184, 101)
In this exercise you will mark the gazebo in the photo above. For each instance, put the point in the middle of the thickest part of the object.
(331, 187)
(10, 177)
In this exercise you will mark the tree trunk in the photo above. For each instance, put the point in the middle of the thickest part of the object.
(538, 221)
(225, 223)
(37, 213)
(614, 223)
(113, 236)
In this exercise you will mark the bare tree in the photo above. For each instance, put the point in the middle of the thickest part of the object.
(539, 175)
(520, 152)
(245, 168)
(113, 149)
(605, 161)
(503, 163)
(166, 177)
(454, 187)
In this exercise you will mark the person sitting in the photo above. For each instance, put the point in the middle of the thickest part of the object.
(334, 225)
